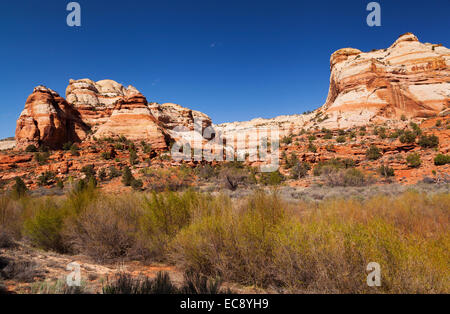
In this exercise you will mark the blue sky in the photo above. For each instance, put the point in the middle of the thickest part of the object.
(233, 60)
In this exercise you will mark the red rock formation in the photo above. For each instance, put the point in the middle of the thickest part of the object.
(409, 78)
(48, 119)
(132, 118)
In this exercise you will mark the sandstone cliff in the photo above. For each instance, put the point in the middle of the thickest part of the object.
(100, 109)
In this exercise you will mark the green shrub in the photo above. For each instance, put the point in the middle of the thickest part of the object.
(408, 137)
(271, 178)
(46, 178)
(413, 160)
(341, 139)
(127, 176)
(300, 170)
(429, 141)
(348, 177)
(42, 158)
(386, 171)
(373, 153)
(74, 150)
(312, 148)
(67, 146)
(31, 149)
(287, 139)
(441, 159)
(44, 227)
(113, 172)
(133, 157)
(19, 188)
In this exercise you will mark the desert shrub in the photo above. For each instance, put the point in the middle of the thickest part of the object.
(102, 175)
(271, 178)
(428, 141)
(164, 215)
(106, 229)
(386, 171)
(19, 188)
(258, 244)
(348, 177)
(438, 123)
(341, 139)
(107, 155)
(60, 184)
(129, 180)
(416, 128)
(408, 137)
(312, 138)
(67, 146)
(113, 172)
(312, 148)
(206, 172)
(88, 171)
(328, 135)
(46, 178)
(6, 239)
(403, 117)
(21, 271)
(300, 170)
(74, 150)
(137, 184)
(327, 166)
(42, 158)
(373, 153)
(441, 159)
(287, 139)
(168, 179)
(31, 149)
(133, 157)
(44, 227)
(413, 160)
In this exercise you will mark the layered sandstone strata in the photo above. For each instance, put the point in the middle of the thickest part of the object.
(48, 119)
(133, 119)
(408, 79)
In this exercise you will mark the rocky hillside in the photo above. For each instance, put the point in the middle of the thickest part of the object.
(98, 110)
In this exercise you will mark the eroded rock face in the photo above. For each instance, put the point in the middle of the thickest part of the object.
(133, 119)
(104, 108)
(409, 78)
(95, 101)
(48, 119)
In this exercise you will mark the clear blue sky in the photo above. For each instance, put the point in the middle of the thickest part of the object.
(234, 60)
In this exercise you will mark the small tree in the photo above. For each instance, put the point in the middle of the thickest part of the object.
(127, 176)
(19, 189)
(133, 157)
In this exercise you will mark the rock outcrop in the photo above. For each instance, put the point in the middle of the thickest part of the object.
(48, 119)
(133, 119)
(409, 78)
(102, 109)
